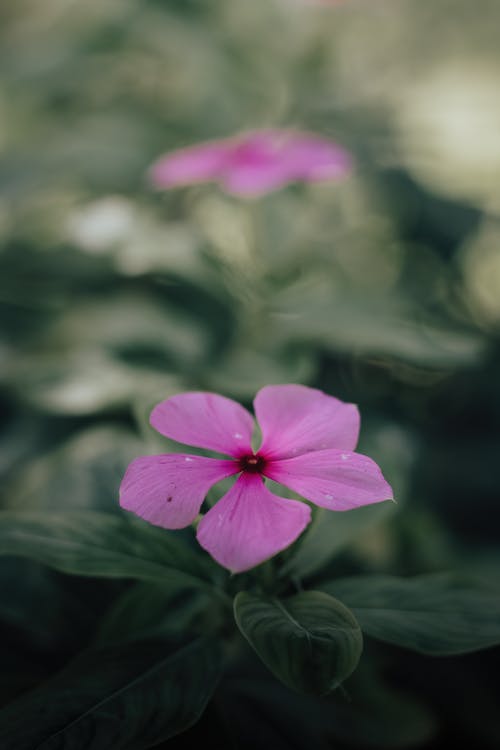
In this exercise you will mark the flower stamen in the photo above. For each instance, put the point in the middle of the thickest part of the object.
(253, 464)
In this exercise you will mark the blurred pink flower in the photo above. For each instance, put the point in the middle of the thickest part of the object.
(308, 439)
(255, 163)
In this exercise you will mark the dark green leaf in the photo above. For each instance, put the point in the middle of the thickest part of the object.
(148, 609)
(374, 712)
(260, 712)
(310, 641)
(432, 614)
(329, 533)
(264, 714)
(101, 544)
(115, 697)
(43, 613)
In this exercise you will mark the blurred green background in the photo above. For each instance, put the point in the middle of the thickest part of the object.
(383, 289)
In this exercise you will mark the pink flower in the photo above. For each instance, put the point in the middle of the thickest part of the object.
(308, 439)
(255, 163)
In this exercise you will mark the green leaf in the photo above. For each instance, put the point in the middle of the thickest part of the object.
(329, 533)
(310, 641)
(380, 712)
(101, 544)
(244, 370)
(260, 712)
(91, 462)
(149, 609)
(433, 614)
(372, 324)
(375, 715)
(115, 697)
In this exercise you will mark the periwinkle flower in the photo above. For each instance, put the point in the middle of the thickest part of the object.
(308, 441)
(254, 163)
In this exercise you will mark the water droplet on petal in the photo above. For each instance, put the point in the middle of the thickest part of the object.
(344, 457)
(188, 459)
(328, 497)
(237, 435)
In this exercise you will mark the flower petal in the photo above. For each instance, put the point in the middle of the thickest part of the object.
(258, 163)
(168, 490)
(253, 181)
(201, 163)
(333, 479)
(250, 524)
(254, 163)
(315, 159)
(295, 419)
(206, 420)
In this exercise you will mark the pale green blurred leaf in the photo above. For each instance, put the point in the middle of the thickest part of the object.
(382, 326)
(83, 473)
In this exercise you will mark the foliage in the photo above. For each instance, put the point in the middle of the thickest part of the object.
(382, 289)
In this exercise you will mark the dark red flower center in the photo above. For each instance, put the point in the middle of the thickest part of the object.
(252, 464)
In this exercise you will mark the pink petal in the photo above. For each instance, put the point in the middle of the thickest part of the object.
(168, 490)
(295, 419)
(265, 160)
(315, 159)
(250, 524)
(333, 479)
(206, 420)
(257, 165)
(254, 181)
(254, 163)
(199, 163)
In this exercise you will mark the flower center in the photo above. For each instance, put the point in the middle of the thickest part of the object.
(252, 464)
